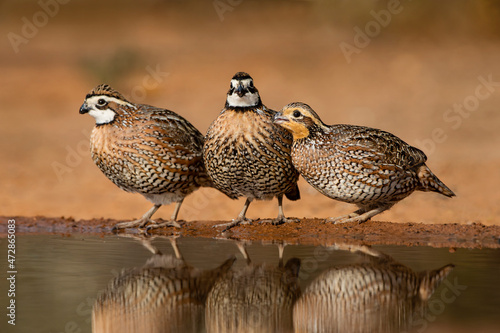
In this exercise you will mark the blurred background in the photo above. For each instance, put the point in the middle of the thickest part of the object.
(428, 72)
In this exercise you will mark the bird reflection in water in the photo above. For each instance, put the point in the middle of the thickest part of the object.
(165, 295)
(380, 295)
(255, 298)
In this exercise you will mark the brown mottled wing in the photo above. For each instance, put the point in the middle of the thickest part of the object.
(182, 142)
(177, 130)
(384, 147)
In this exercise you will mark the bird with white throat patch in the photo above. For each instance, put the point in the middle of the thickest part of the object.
(144, 149)
(246, 155)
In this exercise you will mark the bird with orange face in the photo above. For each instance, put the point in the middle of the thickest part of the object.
(365, 166)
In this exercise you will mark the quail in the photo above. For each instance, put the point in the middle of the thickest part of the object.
(246, 155)
(379, 295)
(164, 295)
(254, 298)
(365, 166)
(144, 149)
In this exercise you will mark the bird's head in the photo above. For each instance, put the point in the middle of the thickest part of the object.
(299, 119)
(242, 92)
(103, 103)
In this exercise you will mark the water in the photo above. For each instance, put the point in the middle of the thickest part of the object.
(59, 279)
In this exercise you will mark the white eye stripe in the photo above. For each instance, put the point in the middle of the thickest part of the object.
(94, 100)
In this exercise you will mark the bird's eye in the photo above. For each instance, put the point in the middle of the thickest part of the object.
(296, 114)
(250, 84)
(101, 102)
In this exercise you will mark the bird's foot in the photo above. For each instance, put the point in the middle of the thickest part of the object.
(132, 224)
(233, 223)
(280, 220)
(349, 218)
(155, 225)
(359, 216)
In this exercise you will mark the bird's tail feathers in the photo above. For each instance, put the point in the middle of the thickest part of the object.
(430, 280)
(294, 193)
(429, 182)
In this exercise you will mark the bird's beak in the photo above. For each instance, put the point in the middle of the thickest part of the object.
(84, 108)
(280, 119)
(240, 90)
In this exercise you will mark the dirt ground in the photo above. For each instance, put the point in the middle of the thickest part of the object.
(436, 89)
(306, 232)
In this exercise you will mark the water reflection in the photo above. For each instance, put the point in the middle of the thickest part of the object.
(380, 295)
(165, 295)
(255, 298)
(168, 295)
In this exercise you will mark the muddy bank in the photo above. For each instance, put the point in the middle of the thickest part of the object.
(307, 231)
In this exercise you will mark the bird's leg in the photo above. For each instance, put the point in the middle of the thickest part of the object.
(354, 248)
(144, 240)
(173, 219)
(340, 218)
(360, 216)
(176, 210)
(242, 215)
(281, 216)
(371, 254)
(140, 222)
(177, 252)
(243, 251)
(241, 219)
(367, 215)
(281, 250)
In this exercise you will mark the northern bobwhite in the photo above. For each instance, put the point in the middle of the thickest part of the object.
(254, 298)
(246, 155)
(165, 295)
(364, 166)
(146, 150)
(378, 295)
